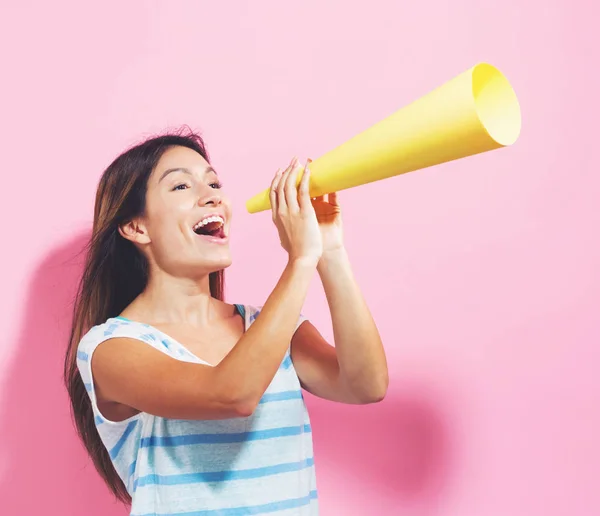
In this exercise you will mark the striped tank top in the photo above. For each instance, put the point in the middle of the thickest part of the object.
(261, 464)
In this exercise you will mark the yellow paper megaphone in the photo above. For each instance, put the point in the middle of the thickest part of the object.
(475, 112)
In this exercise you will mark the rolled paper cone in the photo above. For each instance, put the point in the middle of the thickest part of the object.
(475, 112)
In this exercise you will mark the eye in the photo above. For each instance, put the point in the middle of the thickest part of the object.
(181, 186)
(216, 185)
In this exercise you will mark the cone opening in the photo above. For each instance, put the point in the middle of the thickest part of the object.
(496, 104)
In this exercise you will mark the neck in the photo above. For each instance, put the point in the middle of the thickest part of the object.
(171, 300)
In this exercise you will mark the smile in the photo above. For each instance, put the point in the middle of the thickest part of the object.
(211, 228)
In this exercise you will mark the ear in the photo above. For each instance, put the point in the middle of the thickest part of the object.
(135, 231)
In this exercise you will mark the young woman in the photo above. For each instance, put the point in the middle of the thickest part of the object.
(187, 404)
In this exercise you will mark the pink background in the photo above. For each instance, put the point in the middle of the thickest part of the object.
(482, 274)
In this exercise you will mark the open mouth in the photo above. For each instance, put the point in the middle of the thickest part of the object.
(213, 226)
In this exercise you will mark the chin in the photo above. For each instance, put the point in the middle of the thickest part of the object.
(221, 266)
(215, 265)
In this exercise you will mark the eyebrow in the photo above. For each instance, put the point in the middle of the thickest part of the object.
(207, 170)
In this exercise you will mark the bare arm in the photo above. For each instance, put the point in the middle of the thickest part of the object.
(355, 371)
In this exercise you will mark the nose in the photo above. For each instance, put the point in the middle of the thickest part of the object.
(213, 199)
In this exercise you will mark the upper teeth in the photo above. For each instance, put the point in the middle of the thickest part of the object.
(208, 220)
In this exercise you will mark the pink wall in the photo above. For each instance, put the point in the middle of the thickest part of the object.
(482, 274)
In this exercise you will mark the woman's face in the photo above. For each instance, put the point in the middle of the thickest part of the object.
(187, 216)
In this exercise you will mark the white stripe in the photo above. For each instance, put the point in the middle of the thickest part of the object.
(236, 493)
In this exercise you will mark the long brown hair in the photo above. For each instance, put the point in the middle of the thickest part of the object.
(115, 273)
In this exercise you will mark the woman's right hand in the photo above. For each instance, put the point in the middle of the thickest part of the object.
(294, 215)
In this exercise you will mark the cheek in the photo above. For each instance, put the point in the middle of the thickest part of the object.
(165, 228)
(228, 209)
(165, 214)
(169, 242)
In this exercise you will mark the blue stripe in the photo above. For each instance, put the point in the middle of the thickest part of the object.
(221, 476)
(241, 310)
(117, 447)
(281, 396)
(82, 356)
(287, 362)
(125, 320)
(110, 329)
(98, 420)
(88, 387)
(293, 503)
(257, 435)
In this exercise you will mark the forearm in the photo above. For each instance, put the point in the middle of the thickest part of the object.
(360, 353)
(250, 367)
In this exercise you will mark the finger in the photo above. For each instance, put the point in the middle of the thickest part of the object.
(281, 200)
(303, 190)
(273, 191)
(291, 189)
(333, 199)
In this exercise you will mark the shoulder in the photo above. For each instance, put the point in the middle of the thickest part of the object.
(111, 328)
(116, 327)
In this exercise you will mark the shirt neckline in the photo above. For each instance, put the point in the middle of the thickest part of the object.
(244, 316)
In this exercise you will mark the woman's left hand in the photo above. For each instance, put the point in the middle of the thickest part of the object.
(329, 216)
